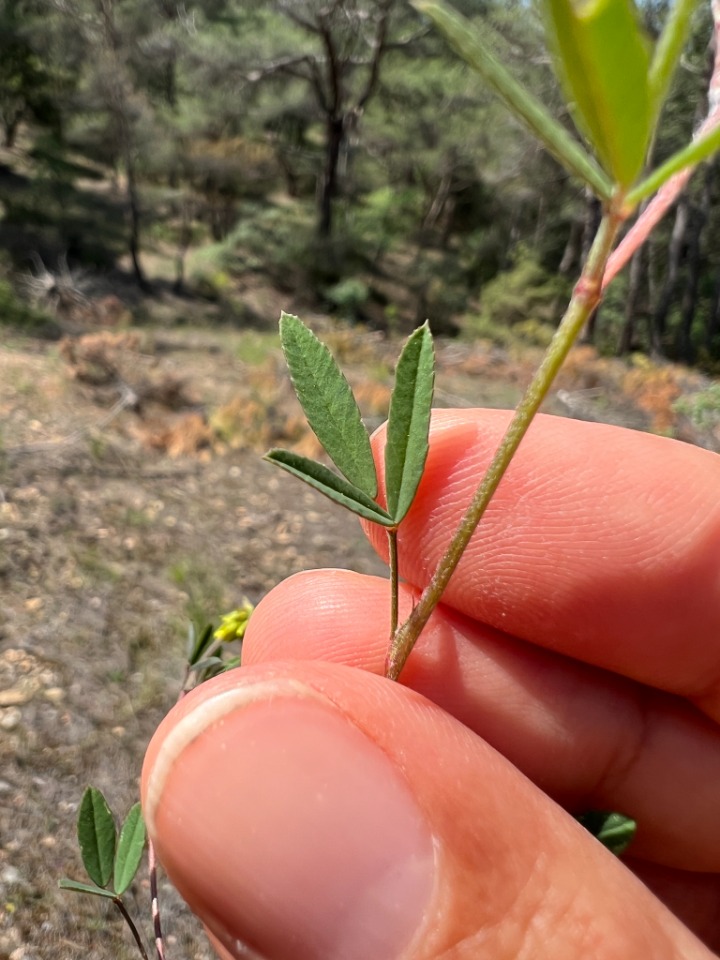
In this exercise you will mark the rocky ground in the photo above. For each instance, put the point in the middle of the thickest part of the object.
(132, 500)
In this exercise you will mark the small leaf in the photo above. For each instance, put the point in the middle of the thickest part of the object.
(198, 645)
(320, 477)
(604, 59)
(668, 50)
(406, 448)
(328, 403)
(614, 830)
(66, 884)
(207, 664)
(130, 849)
(96, 836)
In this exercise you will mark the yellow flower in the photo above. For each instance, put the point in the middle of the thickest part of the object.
(233, 624)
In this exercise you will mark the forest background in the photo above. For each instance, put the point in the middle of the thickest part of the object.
(338, 149)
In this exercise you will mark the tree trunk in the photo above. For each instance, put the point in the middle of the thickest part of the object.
(170, 81)
(675, 247)
(329, 190)
(593, 215)
(572, 252)
(627, 333)
(540, 221)
(134, 217)
(712, 327)
(683, 341)
(11, 126)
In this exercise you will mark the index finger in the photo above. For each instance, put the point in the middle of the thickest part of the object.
(601, 543)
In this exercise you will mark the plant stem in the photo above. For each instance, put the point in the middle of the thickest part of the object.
(394, 586)
(155, 905)
(586, 297)
(133, 929)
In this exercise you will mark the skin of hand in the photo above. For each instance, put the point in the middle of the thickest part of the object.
(308, 809)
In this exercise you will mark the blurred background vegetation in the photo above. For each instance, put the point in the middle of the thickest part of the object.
(336, 151)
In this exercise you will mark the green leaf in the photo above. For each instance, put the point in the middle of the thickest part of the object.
(66, 884)
(467, 41)
(323, 479)
(207, 664)
(614, 830)
(668, 49)
(408, 427)
(604, 58)
(197, 645)
(130, 849)
(328, 403)
(96, 836)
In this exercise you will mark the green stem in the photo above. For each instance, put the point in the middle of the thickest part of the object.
(394, 585)
(700, 149)
(586, 297)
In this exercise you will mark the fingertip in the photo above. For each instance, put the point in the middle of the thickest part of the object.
(285, 827)
(335, 615)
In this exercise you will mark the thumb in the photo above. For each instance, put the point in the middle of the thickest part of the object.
(309, 811)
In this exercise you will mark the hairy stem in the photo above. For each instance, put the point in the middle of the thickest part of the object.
(586, 297)
(394, 584)
(155, 904)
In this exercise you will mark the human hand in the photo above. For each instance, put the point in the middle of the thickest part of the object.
(311, 810)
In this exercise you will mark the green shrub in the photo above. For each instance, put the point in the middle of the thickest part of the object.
(520, 303)
(535, 332)
(703, 407)
(14, 312)
(384, 216)
(348, 297)
(212, 284)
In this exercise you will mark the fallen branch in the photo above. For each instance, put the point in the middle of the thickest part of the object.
(128, 399)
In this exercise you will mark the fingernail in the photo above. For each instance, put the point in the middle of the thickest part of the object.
(288, 830)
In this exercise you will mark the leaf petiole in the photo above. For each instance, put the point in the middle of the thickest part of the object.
(394, 579)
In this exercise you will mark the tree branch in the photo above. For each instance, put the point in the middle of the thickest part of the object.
(287, 7)
(379, 47)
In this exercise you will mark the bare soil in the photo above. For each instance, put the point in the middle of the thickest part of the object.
(132, 500)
